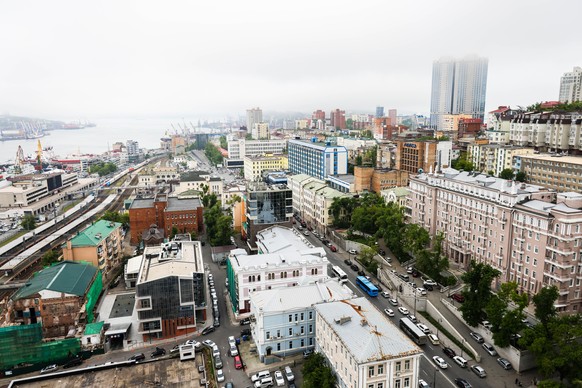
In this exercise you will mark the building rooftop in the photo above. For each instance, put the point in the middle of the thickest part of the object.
(316, 144)
(182, 258)
(366, 333)
(289, 298)
(133, 265)
(93, 328)
(93, 235)
(142, 203)
(555, 158)
(240, 259)
(193, 176)
(179, 204)
(68, 277)
(347, 178)
(279, 238)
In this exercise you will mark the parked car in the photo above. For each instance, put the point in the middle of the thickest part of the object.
(348, 262)
(353, 251)
(477, 337)
(307, 353)
(233, 350)
(393, 302)
(244, 332)
(449, 352)
(458, 297)
(158, 352)
(361, 273)
(460, 361)
(207, 330)
(423, 328)
(49, 369)
(427, 287)
(441, 363)
(479, 371)
(434, 339)
(289, 374)
(403, 310)
(382, 252)
(333, 248)
(231, 341)
(422, 384)
(137, 357)
(75, 361)
(489, 349)
(385, 294)
(245, 321)
(279, 380)
(219, 375)
(306, 233)
(355, 267)
(487, 325)
(389, 312)
(504, 363)
(462, 383)
(218, 362)
(421, 291)
(412, 318)
(237, 362)
(208, 343)
(260, 375)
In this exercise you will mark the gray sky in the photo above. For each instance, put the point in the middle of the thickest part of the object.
(78, 59)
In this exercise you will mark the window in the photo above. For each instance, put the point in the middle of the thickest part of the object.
(296, 316)
(290, 331)
(397, 384)
(406, 382)
(398, 366)
(407, 365)
(311, 315)
(290, 344)
(381, 369)
(268, 334)
(370, 371)
(278, 346)
(302, 316)
(290, 317)
(380, 385)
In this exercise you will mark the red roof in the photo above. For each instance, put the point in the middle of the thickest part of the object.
(501, 109)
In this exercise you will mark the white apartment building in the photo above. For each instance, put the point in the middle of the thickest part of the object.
(312, 199)
(363, 347)
(571, 85)
(551, 131)
(494, 157)
(254, 115)
(302, 124)
(239, 148)
(529, 233)
(285, 259)
(260, 131)
(397, 195)
(284, 321)
(195, 181)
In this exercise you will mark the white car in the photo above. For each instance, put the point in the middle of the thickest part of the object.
(460, 361)
(353, 252)
(434, 339)
(385, 294)
(393, 302)
(389, 312)
(412, 318)
(233, 351)
(279, 379)
(430, 282)
(403, 310)
(422, 384)
(421, 291)
(231, 341)
(219, 375)
(260, 375)
(423, 328)
(440, 362)
(209, 343)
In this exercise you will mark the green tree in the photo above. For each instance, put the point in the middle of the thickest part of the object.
(433, 261)
(367, 259)
(174, 232)
(341, 209)
(545, 310)
(462, 163)
(28, 222)
(213, 154)
(558, 350)
(359, 160)
(520, 176)
(316, 373)
(50, 257)
(506, 173)
(415, 238)
(349, 124)
(506, 321)
(115, 216)
(223, 142)
(477, 291)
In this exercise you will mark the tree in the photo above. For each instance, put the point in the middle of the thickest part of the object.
(506, 321)
(558, 350)
(367, 259)
(28, 222)
(359, 160)
(433, 261)
(174, 232)
(415, 238)
(477, 291)
(520, 176)
(50, 257)
(506, 173)
(223, 142)
(114, 216)
(316, 373)
(544, 300)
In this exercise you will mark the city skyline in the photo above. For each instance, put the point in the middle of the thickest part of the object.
(72, 60)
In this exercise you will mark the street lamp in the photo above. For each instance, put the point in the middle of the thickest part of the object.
(440, 323)
(434, 378)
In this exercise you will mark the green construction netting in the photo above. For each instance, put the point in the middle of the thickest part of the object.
(93, 296)
(23, 345)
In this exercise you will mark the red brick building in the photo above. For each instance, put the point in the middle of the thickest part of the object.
(165, 212)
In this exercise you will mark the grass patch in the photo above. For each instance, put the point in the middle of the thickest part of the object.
(444, 331)
(72, 204)
(14, 237)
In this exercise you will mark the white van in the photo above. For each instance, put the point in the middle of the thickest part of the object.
(289, 374)
(264, 383)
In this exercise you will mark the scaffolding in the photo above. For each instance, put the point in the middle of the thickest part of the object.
(93, 296)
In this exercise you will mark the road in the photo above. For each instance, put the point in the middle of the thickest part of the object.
(495, 374)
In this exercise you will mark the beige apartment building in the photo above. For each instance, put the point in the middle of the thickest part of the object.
(494, 157)
(558, 172)
(529, 233)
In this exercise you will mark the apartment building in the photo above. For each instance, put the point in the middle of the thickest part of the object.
(316, 159)
(101, 244)
(284, 321)
(494, 157)
(285, 259)
(255, 165)
(171, 291)
(260, 131)
(363, 347)
(558, 172)
(239, 148)
(528, 232)
(194, 182)
(571, 85)
(378, 179)
(398, 195)
(429, 155)
(555, 131)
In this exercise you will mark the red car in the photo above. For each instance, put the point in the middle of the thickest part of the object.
(458, 297)
(237, 362)
(333, 248)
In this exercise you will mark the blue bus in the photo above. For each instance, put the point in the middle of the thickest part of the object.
(367, 286)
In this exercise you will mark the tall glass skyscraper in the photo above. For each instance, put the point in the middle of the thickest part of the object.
(458, 87)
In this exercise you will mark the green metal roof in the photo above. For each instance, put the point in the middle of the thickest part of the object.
(67, 276)
(94, 234)
(94, 328)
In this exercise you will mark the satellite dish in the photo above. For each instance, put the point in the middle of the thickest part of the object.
(420, 170)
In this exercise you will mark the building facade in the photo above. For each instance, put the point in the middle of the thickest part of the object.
(284, 318)
(458, 87)
(260, 131)
(337, 119)
(430, 155)
(256, 165)
(171, 290)
(101, 244)
(548, 131)
(571, 86)
(239, 148)
(494, 157)
(561, 173)
(254, 116)
(317, 159)
(363, 347)
(285, 259)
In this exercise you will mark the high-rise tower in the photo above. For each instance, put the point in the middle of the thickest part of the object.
(254, 116)
(458, 87)
(571, 86)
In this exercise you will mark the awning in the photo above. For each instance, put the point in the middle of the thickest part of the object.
(118, 328)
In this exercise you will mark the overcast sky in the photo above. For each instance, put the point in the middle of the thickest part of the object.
(80, 59)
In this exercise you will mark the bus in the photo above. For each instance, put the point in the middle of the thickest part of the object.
(339, 273)
(413, 331)
(367, 286)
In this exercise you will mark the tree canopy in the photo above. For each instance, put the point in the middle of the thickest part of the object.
(114, 216)
(506, 173)
(218, 225)
(316, 373)
(477, 292)
(28, 222)
(103, 168)
(213, 154)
